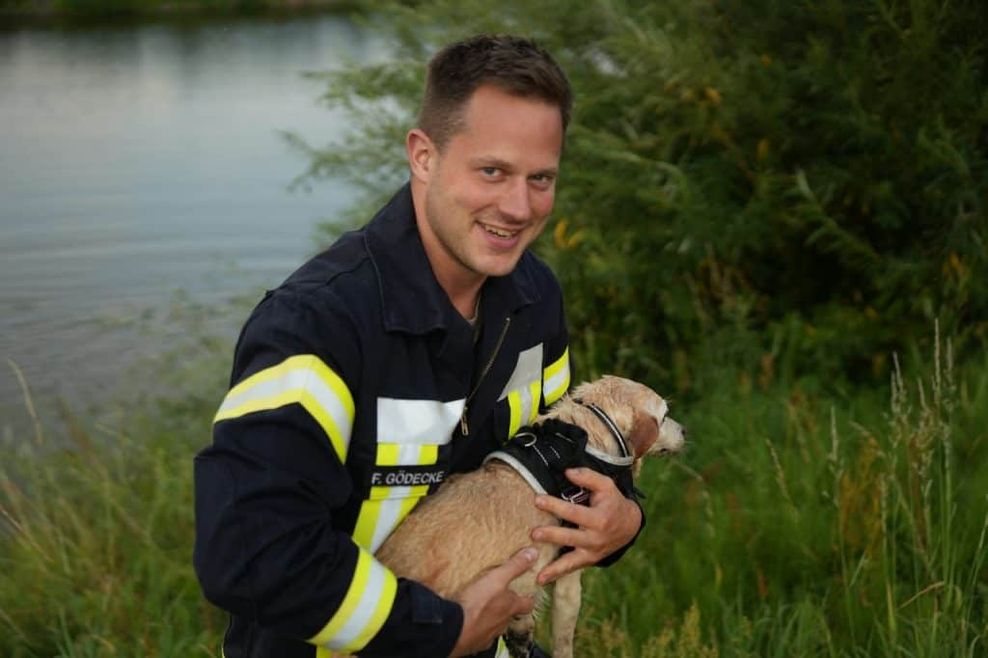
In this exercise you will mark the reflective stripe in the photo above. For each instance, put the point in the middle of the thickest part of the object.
(366, 605)
(396, 454)
(381, 513)
(502, 649)
(527, 368)
(421, 422)
(556, 379)
(304, 380)
(409, 434)
(523, 405)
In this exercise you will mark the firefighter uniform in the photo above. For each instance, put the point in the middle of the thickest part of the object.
(356, 389)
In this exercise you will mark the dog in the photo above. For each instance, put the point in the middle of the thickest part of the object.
(477, 520)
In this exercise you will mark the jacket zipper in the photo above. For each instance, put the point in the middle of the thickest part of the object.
(464, 428)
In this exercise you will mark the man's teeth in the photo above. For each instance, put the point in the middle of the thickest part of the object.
(499, 233)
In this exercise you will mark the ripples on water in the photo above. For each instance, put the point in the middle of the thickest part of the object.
(136, 161)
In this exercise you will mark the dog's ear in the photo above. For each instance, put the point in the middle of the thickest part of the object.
(644, 432)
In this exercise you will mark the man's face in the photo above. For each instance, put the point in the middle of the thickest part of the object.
(493, 187)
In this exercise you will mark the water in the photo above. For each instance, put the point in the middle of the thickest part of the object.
(137, 161)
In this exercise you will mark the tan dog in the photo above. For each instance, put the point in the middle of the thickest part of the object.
(478, 520)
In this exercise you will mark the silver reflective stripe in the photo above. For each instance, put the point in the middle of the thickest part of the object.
(556, 379)
(303, 379)
(527, 369)
(364, 608)
(361, 616)
(389, 515)
(417, 422)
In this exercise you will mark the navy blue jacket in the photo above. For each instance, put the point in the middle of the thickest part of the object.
(356, 389)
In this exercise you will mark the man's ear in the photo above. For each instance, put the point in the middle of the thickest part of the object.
(422, 154)
(644, 432)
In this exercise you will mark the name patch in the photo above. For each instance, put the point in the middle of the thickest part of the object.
(406, 476)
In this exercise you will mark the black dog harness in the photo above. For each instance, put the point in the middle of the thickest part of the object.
(541, 453)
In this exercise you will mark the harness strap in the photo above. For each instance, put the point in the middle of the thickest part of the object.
(610, 425)
(542, 453)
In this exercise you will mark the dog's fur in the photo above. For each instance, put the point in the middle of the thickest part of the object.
(478, 520)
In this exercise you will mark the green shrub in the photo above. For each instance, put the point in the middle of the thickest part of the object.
(797, 186)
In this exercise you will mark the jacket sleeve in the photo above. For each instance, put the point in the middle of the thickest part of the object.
(556, 379)
(268, 487)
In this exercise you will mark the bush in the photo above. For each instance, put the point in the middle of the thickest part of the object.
(798, 187)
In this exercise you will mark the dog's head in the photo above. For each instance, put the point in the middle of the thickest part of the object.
(639, 413)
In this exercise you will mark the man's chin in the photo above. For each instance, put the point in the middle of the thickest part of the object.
(501, 266)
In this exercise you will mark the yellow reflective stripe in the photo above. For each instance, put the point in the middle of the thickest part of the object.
(383, 511)
(388, 493)
(363, 532)
(402, 454)
(533, 393)
(428, 454)
(387, 454)
(514, 408)
(523, 406)
(556, 379)
(302, 379)
(367, 603)
(386, 507)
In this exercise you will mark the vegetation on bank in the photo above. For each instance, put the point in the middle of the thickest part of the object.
(795, 524)
(96, 9)
(761, 203)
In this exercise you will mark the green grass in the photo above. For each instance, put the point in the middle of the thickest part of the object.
(809, 525)
(797, 524)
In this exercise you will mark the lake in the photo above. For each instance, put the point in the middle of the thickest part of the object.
(141, 162)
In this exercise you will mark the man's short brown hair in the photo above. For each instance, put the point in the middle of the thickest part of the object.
(514, 64)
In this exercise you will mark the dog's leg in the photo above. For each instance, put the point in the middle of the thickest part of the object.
(519, 635)
(565, 609)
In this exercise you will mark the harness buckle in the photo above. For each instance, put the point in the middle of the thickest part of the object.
(526, 439)
(576, 495)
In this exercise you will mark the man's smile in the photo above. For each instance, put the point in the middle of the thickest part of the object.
(499, 232)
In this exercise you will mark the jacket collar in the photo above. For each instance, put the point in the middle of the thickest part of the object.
(411, 298)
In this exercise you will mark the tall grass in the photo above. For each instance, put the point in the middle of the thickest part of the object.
(797, 523)
(811, 526)
(96, 547)
(96, 514)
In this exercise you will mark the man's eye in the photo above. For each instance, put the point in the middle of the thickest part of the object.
(490, 172)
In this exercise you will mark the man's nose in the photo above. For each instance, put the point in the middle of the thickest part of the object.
(515, 203)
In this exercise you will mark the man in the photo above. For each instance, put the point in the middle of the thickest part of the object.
(410, 349)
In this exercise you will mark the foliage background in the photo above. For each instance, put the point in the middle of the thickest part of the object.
(761, 203)
(802, 182)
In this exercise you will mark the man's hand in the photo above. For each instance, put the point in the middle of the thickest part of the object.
(488, 604)
(609, 523)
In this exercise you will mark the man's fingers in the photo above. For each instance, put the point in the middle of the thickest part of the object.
(516, 565)
(577, 514)
(559, 535)
(560, 567)
(589, 479)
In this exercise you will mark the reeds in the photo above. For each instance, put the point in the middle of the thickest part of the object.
(95, 543)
